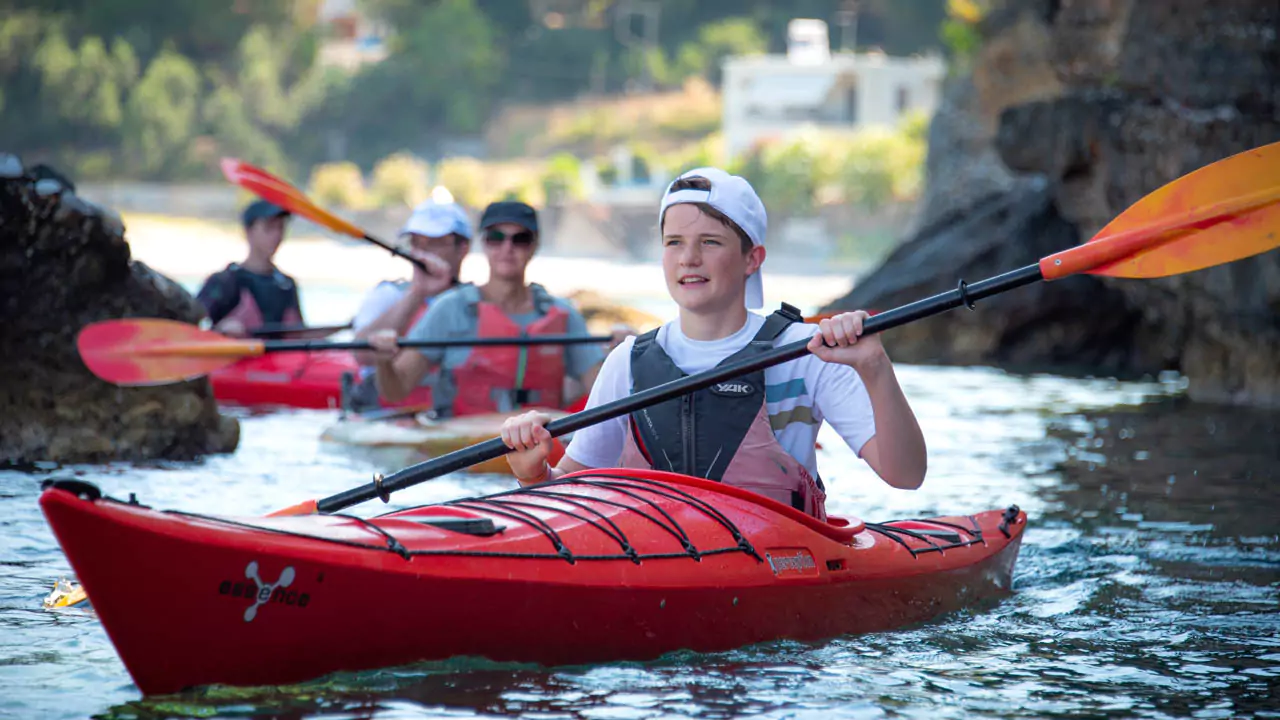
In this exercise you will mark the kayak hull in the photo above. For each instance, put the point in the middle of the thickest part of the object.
(190, 600)
(285, 379)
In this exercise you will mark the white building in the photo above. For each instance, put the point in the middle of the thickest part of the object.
(773, 96)
(352, 39)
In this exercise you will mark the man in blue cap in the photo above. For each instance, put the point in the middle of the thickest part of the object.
(247, 295)
(438, 233)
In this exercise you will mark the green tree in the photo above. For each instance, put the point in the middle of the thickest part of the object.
(789, 174)
(277, 76)
(259, 103)
(236, 133)
(21, 35)
(205, 31)
(439, 76)
(721, 39)
(86, 88)
(455, 62)
(161, 115)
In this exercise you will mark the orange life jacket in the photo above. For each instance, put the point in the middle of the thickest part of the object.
(502, 379)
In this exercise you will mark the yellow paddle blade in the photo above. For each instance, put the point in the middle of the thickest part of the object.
(149, 351)
(1222, 212)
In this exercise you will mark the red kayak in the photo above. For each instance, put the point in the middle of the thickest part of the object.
(601, 566)
(289, 379)
(296, 379)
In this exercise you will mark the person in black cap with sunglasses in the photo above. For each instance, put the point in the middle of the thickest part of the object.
(250, 294)
(500, 378)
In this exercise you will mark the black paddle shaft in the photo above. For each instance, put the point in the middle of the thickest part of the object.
(965, 294)
(398, 252)
(292, 345)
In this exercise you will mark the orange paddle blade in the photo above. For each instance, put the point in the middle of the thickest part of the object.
(1220, 213)
(147, 351)
(277, 191)
(306, 507)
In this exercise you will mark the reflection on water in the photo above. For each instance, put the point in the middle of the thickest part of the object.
(1148, 584)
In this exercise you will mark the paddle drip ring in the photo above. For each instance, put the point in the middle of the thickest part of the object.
(382, 492)
(963, 289)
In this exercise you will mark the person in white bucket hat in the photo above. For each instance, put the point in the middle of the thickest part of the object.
(438, 233)
(758, 431)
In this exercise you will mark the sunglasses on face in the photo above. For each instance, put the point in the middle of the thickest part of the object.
(497, 237)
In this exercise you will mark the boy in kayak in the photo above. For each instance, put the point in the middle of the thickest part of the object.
(247, 295)
(439, 235)
(500, 378)
(756, 432)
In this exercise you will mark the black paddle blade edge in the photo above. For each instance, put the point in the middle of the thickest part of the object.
(964, 294)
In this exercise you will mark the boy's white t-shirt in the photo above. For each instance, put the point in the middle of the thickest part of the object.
(799, 395)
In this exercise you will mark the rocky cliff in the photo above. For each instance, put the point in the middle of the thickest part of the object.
(1089, 105)
(64, 263)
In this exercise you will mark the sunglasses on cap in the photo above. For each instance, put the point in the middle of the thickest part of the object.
(497, 237)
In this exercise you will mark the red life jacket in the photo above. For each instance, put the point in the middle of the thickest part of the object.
(502, 379)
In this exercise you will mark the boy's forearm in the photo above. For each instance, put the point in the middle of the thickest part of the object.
(901, 446)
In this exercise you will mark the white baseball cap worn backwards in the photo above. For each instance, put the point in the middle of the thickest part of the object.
(734, 197)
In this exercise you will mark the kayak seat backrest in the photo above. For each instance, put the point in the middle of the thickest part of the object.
(841, 530)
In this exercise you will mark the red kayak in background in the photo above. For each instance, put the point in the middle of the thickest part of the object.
(600, 566)
(308, 379)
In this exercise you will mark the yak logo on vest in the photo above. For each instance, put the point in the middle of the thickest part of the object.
(733, 389)
(264, 592)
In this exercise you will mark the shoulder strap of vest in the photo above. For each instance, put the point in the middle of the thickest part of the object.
(470, 293)
(542, 300)
(281, 280)
(642, 343)
(471, 296)
(777, 323)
